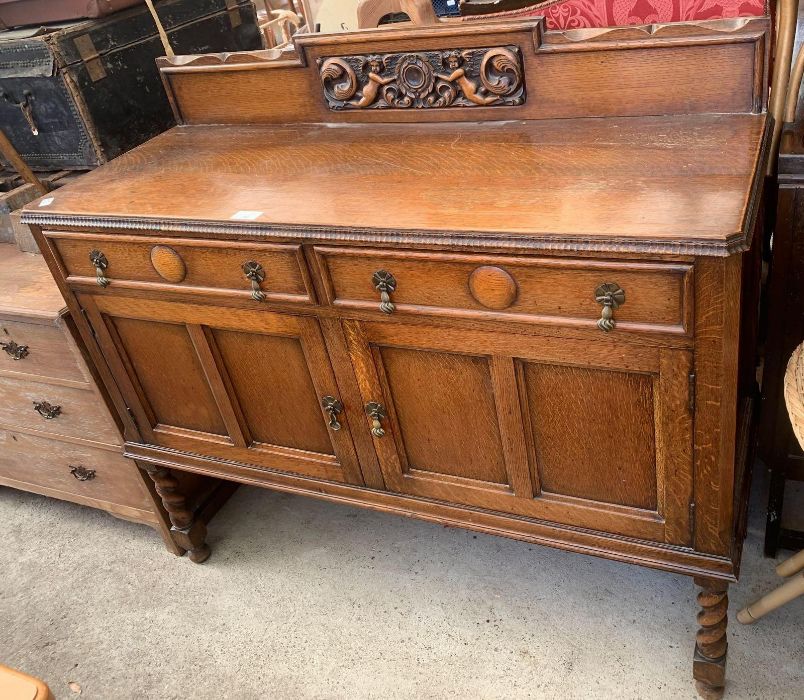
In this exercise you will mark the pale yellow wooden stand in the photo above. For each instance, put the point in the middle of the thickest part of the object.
(15, 685)
(794, 566)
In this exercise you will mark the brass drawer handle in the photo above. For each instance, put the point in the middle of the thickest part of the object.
(82, 473)
(47, 410)
(255, 272)
(385, 283)
(610, 296)
(376, 411)
(333, 407)
(100, 262)
(16, 352)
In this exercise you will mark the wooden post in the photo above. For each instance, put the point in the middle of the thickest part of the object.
(10, 153)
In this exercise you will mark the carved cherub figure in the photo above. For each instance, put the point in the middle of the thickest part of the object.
(374, 67)
(454, 61)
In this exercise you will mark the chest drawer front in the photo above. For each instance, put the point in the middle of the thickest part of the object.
(548, 290)
(70, 469)
(41, 350)
(55, 409)
(208, 267)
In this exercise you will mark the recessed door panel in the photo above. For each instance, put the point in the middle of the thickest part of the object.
(273, 386)
(169, 374)
(593, 433)
(445, 413)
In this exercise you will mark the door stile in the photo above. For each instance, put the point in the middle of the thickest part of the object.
(318, 362)
(676, 418)
(512, 429)
(112, 349)
(353, 402)
(219, 384)
(369, 383)
(529, 443)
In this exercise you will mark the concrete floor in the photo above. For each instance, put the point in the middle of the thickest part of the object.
(305, 599)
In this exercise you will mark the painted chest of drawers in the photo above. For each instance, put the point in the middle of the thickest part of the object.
(484, 277)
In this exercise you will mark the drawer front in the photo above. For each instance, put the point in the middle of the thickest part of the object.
(550, 290)
(66, 468)
(44, 351)
(55, 409)
(208, 267)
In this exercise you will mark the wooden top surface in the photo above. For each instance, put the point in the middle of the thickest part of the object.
(27, 289)
(663, 184)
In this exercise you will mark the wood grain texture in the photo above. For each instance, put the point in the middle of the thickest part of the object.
(495, 400)
(215, 400)
(680, 560)
(510, 445)
(206, 269)
(27, 292)
(529, 289)
(667, 183)
(274, 389)
(49, 353)
(593, 433)
(188, 530)
(604, 73)
(167, 368)
(83, 433)
(168, 263)
(492, 287)
(711, 645)
(717, 292)
(81, 413)
(28, 459)
(444, 413)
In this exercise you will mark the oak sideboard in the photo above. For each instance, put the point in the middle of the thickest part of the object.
(488, 276)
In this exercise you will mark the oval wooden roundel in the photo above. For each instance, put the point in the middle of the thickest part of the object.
(493, 287)
(168, 263)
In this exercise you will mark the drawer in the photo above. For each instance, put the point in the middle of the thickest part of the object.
(64, 470)
(657, 296)
(42, 350)
(56, 409)
(201, 267)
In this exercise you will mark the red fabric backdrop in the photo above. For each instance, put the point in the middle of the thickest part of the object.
(574, 14)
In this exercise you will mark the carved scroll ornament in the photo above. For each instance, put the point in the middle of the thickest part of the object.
(427, 79)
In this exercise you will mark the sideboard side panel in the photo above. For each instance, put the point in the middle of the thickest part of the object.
(717, 333)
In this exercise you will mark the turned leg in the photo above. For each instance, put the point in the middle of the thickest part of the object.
(709, 661)
(189, 532)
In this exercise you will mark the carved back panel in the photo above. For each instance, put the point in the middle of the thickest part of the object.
(481, 71)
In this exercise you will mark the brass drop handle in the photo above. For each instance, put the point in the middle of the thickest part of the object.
(14, 351)
(47, 410)
(100, 262)
(333, 407)
(82, 473)
(610, 296)
(385, 283)
(255, 272)
(376, 411)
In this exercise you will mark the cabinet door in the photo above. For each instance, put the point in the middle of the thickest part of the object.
(236, 384)
(589, 434)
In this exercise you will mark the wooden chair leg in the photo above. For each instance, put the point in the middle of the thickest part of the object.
(711, 645)
(188, 532)
(792, 565)
(790, 590)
